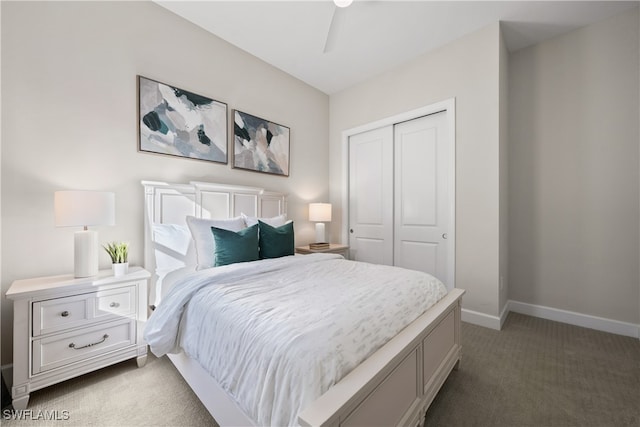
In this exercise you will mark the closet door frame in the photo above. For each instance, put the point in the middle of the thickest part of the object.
(449, 106)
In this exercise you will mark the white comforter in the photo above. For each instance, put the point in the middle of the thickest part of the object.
(277, 333)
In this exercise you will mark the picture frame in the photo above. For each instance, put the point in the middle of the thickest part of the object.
(260, 145)
(181, 123)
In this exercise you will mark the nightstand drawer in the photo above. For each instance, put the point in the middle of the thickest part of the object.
(63, 349)
(115, 302)
(60, 314)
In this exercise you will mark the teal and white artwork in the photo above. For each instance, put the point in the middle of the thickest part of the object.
(260, 145)
(180, 123)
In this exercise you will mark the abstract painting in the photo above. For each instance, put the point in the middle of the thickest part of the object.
(260, 145)
(176, 122)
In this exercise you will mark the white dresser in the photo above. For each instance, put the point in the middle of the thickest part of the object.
(64, 327)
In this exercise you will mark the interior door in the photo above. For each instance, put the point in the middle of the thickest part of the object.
(421, 195)
(371, 196)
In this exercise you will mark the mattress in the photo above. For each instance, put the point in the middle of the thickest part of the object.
(276, 334)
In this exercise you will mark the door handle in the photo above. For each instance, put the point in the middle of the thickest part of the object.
(444, 236)
(351, 230)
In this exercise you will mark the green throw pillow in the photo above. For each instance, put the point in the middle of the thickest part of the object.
(276, 242)
(232, 246)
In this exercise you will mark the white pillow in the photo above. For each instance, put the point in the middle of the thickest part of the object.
(276, 221)
(203, 237)
(173, 247)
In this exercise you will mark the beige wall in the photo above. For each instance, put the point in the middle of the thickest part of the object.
(69, 122)
(504, 176)
(467, 70)
(574, 180)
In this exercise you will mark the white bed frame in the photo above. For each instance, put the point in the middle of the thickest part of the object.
(394, 386)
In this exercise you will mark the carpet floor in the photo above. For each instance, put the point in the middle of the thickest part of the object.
(537, 373)
(118, 395)
(534, 372)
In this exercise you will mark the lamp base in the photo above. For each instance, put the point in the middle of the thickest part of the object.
(320, 237)
(85, 248)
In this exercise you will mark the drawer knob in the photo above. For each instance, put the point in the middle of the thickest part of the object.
(104, 338)
(114, 304)
(64, 313)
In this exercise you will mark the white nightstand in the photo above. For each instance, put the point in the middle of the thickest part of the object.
(332, 249)
(64, 327)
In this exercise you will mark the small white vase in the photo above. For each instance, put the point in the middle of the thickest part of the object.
(120, 269)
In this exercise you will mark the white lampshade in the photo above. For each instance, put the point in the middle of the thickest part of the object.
(83, 209)
(320, 212)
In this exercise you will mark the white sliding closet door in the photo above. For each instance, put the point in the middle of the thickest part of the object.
(401, 195)
(421, 201)
(371, 196)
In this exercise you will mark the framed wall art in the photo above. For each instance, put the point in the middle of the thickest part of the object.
(180, 123)
(260, 145)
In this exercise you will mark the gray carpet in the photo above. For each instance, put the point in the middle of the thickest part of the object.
(532, 373)
(119, 395)
(538, 373)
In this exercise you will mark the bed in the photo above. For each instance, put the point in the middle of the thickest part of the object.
(392, 384)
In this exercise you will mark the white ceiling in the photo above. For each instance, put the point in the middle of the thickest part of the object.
(370, 37)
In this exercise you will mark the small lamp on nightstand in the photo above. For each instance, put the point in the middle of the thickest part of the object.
(320, 213)
(84, 209)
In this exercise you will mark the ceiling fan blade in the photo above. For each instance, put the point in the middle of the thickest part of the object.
(334, 28)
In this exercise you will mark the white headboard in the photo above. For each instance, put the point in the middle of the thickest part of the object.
(167, 203)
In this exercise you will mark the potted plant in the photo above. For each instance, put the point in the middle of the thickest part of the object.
(119, 253)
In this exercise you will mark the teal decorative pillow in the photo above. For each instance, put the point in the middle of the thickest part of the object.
(201, 232)
(276, 242)
(235, 246)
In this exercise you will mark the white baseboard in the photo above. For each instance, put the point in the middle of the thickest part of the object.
(481, 319)
(577, 319)
(504, 313)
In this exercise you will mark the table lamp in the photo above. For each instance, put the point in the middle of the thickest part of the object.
(320, 213)
(84, 209)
